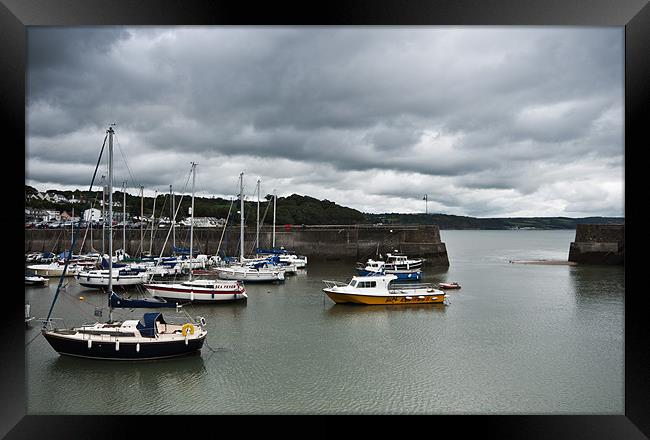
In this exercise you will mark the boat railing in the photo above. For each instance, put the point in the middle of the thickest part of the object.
(331, 283)
(410, 286)
(49, 323)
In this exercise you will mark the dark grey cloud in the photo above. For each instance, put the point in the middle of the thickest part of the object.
(487, 120)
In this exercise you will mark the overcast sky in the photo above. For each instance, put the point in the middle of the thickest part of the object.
(486, 121)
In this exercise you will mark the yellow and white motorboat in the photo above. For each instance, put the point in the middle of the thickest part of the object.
(382, 290)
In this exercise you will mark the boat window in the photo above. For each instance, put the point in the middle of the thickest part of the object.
(353, 283)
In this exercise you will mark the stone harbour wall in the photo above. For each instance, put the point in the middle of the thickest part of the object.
(326, 242)
(598, 244)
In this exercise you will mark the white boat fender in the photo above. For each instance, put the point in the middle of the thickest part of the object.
(117, 345)
(90, 343)
(137, 347)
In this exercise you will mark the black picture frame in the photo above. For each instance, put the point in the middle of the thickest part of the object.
(634, 15)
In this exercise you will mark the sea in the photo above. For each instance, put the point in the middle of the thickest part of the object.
(515, 339)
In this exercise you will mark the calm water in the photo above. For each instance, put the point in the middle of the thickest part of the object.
(516, 339)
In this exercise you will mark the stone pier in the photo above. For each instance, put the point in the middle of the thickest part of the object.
(322, 242)
(598, 244)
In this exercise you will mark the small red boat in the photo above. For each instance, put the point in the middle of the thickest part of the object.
(449, 285)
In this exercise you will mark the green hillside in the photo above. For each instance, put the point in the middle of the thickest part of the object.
(297, 209)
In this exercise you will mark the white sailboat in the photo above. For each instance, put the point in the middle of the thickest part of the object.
(121, 277)
(202, 290)
(129, 339)
(53, 269)
(261, 271)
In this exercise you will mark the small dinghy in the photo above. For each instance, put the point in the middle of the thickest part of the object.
(449, 286)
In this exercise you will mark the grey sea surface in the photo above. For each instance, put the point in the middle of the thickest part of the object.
(515, 339)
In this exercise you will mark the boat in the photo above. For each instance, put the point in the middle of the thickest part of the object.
(154, 338)
(100, 278)
(374, 268)
(254, 271)
(208, 290)
(402, 262)
(285, 256)
(129, 339)
(262, 273)
(200, 290)
(381, 289)
(53, 269)
(448, 286)
(34, 280)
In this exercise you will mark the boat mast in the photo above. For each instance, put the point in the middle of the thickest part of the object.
(241, 218)
(91, 229)
(124, 218)
(257, 238)
(153, 219)
(110, 221)
(192, 218)
(171, 195)
(141, 218)
(103, 215)
(275, 198)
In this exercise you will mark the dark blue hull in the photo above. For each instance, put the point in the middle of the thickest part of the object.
(127, 351)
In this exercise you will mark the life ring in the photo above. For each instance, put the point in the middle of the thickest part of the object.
(186, 328)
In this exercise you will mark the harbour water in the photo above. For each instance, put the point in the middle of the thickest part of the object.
(516, 339)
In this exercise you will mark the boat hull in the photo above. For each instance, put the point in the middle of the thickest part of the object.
(196, 295)
(414, 275)
(127, 351)
(250, 277)
(101, 282)
(341, 298)
(45, 271)
(36, 281)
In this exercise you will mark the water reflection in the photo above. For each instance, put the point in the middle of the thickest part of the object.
(345, 310)
(127, 387)
(597, 284)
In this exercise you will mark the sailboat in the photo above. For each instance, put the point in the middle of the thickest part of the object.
(100, 278)
(257, 271)
(128, 339)
(287, 258)
(201, 290)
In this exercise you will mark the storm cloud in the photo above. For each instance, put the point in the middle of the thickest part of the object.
(487, 121)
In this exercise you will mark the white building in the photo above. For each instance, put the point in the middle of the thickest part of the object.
(56, 198)
(94, 214)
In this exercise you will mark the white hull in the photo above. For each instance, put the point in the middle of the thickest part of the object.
(250, 275)
(299, 262)
(89, 279)
(52, 270)
(213, 292)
